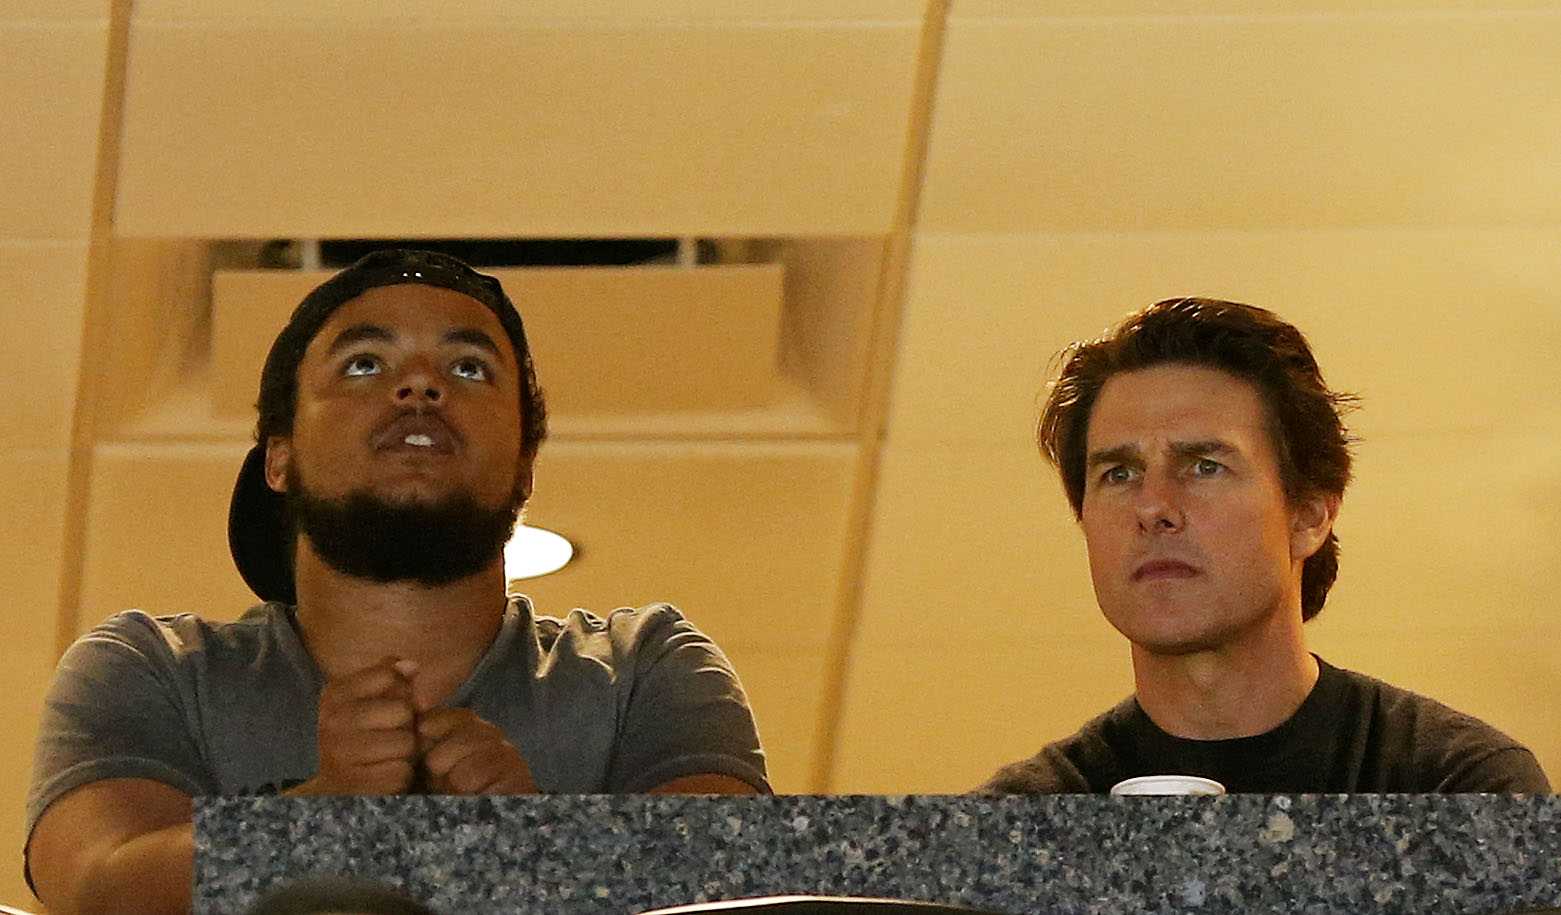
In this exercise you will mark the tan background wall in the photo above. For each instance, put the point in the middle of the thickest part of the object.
(952, 191)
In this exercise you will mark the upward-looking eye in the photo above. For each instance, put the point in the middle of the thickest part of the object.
(470, 368)
(362, 364)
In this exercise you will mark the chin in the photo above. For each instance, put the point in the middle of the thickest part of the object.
(1160, 633)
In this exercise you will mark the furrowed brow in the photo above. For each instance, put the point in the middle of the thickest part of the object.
(357, 334)
(1122, 454)
(1201, 449)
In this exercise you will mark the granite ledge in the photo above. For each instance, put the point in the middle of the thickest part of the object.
(1386, 854)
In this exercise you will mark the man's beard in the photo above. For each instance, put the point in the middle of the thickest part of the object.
(427, 543)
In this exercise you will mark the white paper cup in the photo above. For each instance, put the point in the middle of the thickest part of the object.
(1168, 784)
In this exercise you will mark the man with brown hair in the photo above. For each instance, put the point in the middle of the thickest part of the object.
(1206, 460)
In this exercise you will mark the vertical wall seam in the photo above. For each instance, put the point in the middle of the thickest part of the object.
(872, 425)
(99, 273)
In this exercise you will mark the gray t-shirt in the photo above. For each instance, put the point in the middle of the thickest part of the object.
(620, 704)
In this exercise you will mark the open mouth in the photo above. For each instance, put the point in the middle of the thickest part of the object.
(416, 431)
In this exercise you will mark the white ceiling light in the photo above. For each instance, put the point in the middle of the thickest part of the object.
(534, 551)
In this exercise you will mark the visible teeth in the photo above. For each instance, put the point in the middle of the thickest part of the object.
(420, 440)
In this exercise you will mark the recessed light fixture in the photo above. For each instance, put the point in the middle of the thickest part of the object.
(535, 551)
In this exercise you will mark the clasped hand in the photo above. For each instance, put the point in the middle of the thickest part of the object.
(378, 736)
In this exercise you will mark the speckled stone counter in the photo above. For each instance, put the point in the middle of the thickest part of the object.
(1245, 854)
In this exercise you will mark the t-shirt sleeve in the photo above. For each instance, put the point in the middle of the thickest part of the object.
(114, 710)
(1508, 770)
(685, 712)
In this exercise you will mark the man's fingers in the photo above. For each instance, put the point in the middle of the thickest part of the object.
(481, 771)
(368, 715)
(463, 754)
(389, 777)
(390, 677)
(375, 747)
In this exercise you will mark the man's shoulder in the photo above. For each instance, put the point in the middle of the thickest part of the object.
(1080, 763)
(1400, 706)
(1453, 749)
(181, 636)
(619, 630)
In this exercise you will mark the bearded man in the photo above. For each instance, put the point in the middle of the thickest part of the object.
(399, 420)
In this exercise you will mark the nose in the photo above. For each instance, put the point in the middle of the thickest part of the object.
(420, 384)
(1159, 508)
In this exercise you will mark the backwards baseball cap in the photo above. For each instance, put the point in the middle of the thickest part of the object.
(260, 533)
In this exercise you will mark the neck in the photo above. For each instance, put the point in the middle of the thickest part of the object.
(1230, 691)
(349, 623)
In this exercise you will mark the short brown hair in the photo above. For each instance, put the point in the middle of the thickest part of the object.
(1305, 417)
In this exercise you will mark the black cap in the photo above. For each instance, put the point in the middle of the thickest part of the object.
(259, 532)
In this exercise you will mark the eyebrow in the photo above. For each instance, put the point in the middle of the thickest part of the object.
(1198, 449)
(1122, 454)
(358, 333)
(471, 336)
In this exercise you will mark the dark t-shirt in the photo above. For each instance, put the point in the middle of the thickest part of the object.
(1353, 733)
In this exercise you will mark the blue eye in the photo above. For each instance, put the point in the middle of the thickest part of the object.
(1205, 467)
(360, 365)
(470, 369)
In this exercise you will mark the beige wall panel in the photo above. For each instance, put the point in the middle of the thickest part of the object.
(53, 10)
(401, 11)
(933, 722)
(1243, 121)
(978, 638)
(971, 536)
(157, 534)
(1031, 9)
(1439, 330)
(831, 294)
(1446, 582)
(40, 340)
(32, 489)
(747, 539)
(785, 689)
(618, 340)
(328, 129)
(1452, 533)
(51, 89)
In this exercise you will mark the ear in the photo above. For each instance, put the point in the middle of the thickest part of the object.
(1311, 521)
(279, 456)
(525, 478)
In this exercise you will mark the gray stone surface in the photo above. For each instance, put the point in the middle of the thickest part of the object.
(1386, 854)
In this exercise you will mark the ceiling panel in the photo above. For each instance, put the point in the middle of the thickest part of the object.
(40, 340)
(1291, 121)
(326, 129)
(1051, 9)
(51, 89)
(33, 489)
(1451, 532)
(402, 11)
(1437, 330)
(176, 497)
(53, 10)
(963, 532)
(746, 538)
(943, 721)
(785, 690)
